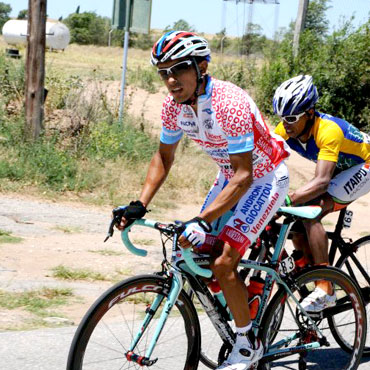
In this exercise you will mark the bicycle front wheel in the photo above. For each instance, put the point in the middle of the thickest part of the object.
(359, 270)
(108, 329)
(289, 336)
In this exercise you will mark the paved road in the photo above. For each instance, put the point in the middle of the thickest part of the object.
(33, 217)
(47, 349)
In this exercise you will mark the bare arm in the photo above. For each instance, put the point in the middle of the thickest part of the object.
(317, 186)
(159, 168)
(243, 177)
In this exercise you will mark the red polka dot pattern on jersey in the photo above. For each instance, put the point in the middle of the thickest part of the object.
(233, 108)
(170, 113)
(227, 122)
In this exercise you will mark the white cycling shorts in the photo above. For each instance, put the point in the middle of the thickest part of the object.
(350, 184)
(241, 226)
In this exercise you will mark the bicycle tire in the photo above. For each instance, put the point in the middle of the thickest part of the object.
(105, 333)
(349, 300)
(362, 248)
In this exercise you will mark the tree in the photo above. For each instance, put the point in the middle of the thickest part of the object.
(180, 25)
(316, 19)
(5, 10)
(252, 41)
(220, 41)
(88, 28)
(23, 14)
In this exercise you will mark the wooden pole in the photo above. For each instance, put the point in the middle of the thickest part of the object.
(299, 24)
(35, 67)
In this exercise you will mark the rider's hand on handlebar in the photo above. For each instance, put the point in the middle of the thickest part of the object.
(195, 232)
(125, 215)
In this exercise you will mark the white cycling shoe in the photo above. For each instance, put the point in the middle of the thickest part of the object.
(243, 357)
(318, 300)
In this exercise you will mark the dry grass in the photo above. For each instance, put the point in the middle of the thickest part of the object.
(87, 60)
(118, 182)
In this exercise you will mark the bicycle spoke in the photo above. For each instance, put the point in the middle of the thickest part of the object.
(112, 331)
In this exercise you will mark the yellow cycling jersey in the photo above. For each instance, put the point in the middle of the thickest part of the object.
(331, 139)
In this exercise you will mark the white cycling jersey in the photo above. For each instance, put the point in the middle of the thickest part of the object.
(227, 122)
(241, 226)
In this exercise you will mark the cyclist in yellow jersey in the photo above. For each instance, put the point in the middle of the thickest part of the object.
(342, 156)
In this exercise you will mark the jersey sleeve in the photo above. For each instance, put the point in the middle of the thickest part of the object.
(236, 120)
(329, 140)
(280, 130)
(170, 133)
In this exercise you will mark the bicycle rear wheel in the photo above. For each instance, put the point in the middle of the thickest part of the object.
(108, 328)
(295, 329)
(361, 248)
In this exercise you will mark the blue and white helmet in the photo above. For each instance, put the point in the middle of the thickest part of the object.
(178, 44)
(294, 96)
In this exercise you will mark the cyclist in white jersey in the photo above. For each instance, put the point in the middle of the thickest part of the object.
(253, 179)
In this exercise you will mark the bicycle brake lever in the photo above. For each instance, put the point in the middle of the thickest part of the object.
(111, 228)
(180, 227)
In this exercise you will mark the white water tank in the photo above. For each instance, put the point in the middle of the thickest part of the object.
(57, 34)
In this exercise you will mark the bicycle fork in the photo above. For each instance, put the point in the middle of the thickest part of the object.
(176, 287)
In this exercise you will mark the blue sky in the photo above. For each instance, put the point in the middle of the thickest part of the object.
(210, 16)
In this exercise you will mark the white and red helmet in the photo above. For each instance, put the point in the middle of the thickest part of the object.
(179, 44)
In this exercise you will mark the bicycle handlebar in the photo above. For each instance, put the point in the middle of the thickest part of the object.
(186, 253)
(126, 240)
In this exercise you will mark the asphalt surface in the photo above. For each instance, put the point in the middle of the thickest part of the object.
(47, 349)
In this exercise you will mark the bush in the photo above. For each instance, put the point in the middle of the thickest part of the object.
(110, 141)
(12, 79)
(240, 73)
(145, 78)
(339, 64)
(52, 162)
(5, 10)
(59, 89)
(88, 28)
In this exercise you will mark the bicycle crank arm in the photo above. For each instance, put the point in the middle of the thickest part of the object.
(140, 360)
(270, 356)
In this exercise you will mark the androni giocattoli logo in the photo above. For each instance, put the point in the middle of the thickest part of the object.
(256, 200)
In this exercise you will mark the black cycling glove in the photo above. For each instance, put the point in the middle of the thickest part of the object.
(134, 211)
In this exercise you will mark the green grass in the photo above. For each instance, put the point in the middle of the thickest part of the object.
(68, 229)
(67, 273)
(7, 237)
(121, 274)
(107, 252)
(35, 301)
(144, 241)
(364, 233)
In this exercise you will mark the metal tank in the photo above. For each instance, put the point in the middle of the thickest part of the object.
(57, 34)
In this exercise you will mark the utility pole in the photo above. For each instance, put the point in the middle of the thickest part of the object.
(299, 24)
(35, 67)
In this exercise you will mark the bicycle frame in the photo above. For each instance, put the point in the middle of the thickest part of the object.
(214, 310)
(346, 250)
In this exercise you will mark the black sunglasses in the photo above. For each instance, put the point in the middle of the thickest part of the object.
(175, 70)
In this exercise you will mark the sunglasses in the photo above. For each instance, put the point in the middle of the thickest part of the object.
(176, 70)
(292, 118)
